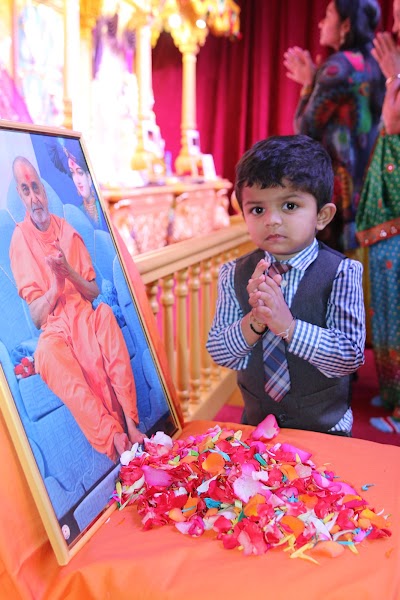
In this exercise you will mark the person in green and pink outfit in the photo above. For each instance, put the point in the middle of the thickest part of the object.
(378, 228)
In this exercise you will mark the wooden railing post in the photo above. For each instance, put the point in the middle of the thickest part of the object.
(152, 295)
(207, 311)
(194, 334)
(186, 312)
(181, 334)
(167, 302)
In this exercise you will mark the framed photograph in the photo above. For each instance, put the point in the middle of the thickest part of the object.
(193, 142)
(204, 167)
(207, 167)
(83, 375)
(152, 141)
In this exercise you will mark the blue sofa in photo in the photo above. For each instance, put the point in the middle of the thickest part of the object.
(79, 480)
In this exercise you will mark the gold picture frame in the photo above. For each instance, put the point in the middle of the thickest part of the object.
(71, 457)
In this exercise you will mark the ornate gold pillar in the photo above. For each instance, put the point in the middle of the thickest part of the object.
(71, 56)
(142, 158)
(188, 38)
(90, 11)
(183, 162)
(149, 153)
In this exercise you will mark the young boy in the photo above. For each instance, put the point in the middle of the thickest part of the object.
(312, 315)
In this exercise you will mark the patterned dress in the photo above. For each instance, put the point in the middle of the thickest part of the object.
(378, 228)
(342, 111)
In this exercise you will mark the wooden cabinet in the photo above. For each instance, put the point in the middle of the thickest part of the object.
(151, 217)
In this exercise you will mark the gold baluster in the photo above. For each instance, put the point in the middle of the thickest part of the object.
(206, 319)
(217, 261)
(167, 301)
(182, 350)
(152, 295)
(194, 334)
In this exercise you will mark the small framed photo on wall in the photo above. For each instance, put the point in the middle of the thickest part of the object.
(152, 141)
(193, 142)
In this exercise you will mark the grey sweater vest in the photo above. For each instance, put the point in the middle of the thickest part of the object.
(314, 402)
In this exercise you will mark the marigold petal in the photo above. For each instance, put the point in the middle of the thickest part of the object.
(214, 463)
(190, 507)
(292, 525)
(251, 508)
(290, 472)
(175, 514)
(327, 548)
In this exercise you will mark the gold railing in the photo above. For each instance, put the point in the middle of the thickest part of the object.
(181, 284)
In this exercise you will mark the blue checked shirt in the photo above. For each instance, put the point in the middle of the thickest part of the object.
(335, 351)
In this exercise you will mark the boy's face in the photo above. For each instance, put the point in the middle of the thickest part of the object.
(283, 220)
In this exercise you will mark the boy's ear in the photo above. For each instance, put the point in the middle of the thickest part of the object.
(325, 215)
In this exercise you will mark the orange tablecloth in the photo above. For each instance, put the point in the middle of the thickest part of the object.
(121, 561)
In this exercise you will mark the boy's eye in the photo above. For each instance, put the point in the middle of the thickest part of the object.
(289, 206)
(257, 210)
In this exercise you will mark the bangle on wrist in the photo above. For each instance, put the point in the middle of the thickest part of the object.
(306, 90)
(255, 330)
(285, 334)
(254, 320)
(390, 79)
(257, 322)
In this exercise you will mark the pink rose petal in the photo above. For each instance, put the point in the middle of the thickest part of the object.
(156, 477)
(267, 429)
(246, 487)
(302, 454)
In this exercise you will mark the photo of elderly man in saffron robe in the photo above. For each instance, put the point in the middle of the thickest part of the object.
(80, 378)
(81, 353)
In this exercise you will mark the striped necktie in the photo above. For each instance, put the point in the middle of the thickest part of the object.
(276, 370)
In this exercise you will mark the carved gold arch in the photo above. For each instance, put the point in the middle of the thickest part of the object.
(188, 21)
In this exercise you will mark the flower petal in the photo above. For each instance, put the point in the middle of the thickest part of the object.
(267, 429)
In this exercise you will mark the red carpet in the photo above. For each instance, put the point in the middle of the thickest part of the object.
(365, 388)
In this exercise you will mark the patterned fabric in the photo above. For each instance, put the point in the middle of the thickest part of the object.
(278, 268)
(276, 370)
(343, 112)
(378, 225)
(378, 215)
(277, 377)
(384, 261)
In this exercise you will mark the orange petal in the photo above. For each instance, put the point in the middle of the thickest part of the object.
(175, 514)
(364, 523)
(328, 548)
(309, 501)
(289, 471)
(376, 520)
(335, 529)
(251, 508)
(190, 506)
(292, 524)
(349, 497)
(214, 463)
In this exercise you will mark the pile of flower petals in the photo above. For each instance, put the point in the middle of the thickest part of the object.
(254, 495)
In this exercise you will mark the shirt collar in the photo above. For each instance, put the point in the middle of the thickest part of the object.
(303, 259)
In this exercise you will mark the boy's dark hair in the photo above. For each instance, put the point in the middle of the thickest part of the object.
(297, 160)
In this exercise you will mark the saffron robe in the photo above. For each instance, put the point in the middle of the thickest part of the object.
(81, 353)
